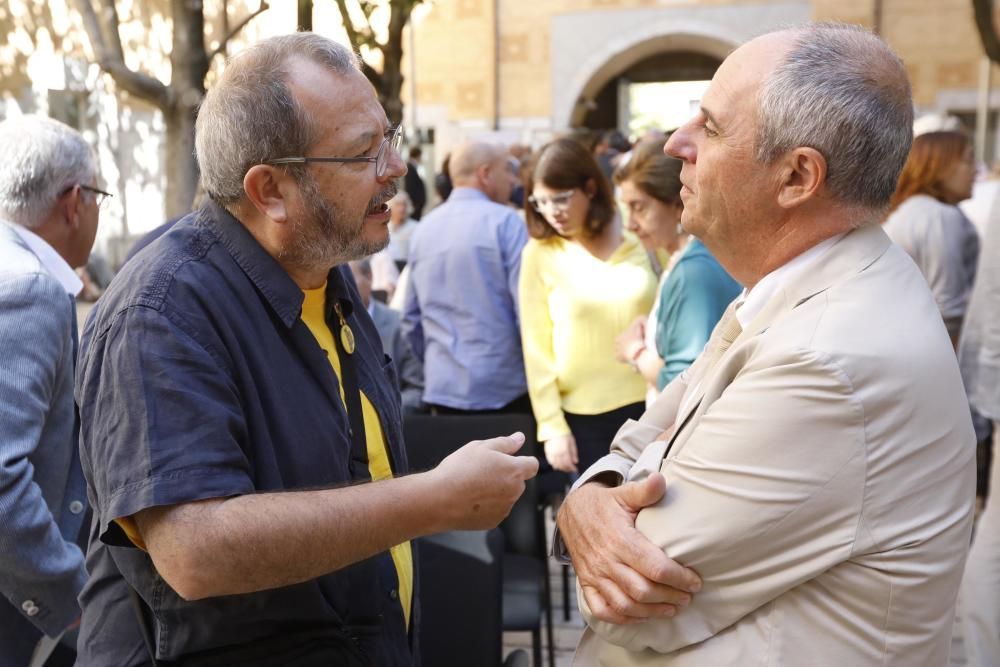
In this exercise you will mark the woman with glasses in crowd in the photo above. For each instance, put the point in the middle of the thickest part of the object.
(925, 221)
(583, 280)
(694, 289)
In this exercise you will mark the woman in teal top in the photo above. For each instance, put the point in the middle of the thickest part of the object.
(694, 289)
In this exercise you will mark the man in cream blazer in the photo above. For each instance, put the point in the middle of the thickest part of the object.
(818, 458)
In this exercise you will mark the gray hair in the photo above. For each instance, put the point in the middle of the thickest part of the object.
(42, 159)
(842, 91)
(250, 115)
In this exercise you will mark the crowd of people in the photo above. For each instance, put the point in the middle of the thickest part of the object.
(740, 343)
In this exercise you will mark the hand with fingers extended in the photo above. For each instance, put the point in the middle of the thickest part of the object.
(480, 482)
(561, 453)
(624, 578)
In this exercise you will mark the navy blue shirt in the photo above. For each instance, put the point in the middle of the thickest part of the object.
(198, 379)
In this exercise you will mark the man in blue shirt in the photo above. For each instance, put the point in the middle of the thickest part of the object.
(236, 404)
(461, 303)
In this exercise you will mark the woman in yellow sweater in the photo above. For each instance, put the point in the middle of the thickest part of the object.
(583, 280)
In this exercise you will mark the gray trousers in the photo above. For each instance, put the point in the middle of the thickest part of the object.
(981, 583)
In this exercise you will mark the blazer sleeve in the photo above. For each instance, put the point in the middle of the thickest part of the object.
(36, 563)
(764, 495)
(411, 372)
(632, 439)
(413, 330)
(539, 355)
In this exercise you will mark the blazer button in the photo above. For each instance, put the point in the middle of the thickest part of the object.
(29, 608)
(394, 594)
(75, 507)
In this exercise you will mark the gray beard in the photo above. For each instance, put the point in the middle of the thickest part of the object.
(324, 236)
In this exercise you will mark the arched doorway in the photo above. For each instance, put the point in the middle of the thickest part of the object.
(590, 50)
(672, 56)
(608, 106)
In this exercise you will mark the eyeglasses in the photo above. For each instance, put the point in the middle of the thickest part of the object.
(392, 141)
(559, 201)
(100, 196)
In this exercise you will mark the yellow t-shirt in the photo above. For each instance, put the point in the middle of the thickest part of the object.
(572, 307)
(378, 459)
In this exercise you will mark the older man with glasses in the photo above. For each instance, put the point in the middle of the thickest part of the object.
(49, 203)
(241, 428)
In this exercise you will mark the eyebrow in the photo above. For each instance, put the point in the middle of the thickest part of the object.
(362, 141)
(365, 138)
(708, 115)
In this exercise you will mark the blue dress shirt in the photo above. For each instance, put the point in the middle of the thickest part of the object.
(461, 304)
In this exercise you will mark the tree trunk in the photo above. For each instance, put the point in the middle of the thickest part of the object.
(189, 65)
(392, 64)
(305, 14)
(181, 173)
(983, 11)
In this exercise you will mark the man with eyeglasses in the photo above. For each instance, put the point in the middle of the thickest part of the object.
(49, 207)
(460, 314)
(237, 405)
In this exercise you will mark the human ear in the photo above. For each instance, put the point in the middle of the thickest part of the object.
(801, 174)
(265, 189)
(483, 175)
(69, 206)
(590, 188)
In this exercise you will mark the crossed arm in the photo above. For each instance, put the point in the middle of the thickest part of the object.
(764, 495)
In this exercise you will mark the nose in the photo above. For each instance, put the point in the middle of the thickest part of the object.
(396, 168)
(681, 143)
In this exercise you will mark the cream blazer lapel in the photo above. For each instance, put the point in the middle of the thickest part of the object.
(855, 252)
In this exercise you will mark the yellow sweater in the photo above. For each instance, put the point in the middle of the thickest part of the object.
(572, 307)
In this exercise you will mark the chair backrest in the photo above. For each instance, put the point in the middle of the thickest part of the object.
(461, 593)
(430, 438)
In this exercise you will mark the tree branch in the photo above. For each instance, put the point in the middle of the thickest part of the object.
(107, 48)
(987, 31)
(352, 34)
(239, 26)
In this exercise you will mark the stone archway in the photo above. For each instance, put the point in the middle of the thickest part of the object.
(602, 109)
(585, 59)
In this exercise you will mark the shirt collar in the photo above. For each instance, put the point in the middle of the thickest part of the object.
(50, 259)
(274, 283)
(468, 193)
(754, 300)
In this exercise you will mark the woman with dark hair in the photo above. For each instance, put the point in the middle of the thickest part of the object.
(583, 280)
(926, 222)
(694, 290)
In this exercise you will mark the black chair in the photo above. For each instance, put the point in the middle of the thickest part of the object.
(526, 587)
(461, 621)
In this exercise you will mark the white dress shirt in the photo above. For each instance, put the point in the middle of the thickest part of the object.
(50, 259)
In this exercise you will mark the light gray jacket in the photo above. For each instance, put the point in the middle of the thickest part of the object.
(42, 492)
